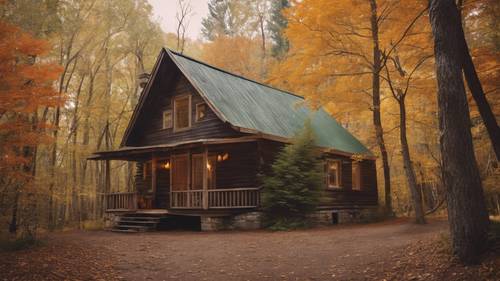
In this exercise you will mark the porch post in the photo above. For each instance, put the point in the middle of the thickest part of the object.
(205, 179)
(153, 178)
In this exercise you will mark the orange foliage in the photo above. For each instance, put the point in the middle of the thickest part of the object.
(239, 54)
(26, 85)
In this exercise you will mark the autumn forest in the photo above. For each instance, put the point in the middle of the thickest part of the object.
(383, 69)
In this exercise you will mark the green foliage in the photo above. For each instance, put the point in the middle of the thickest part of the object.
(276, 26)
(292, 190)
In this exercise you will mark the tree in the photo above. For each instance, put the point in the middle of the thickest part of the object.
(182, 24)
(292, 190)
(467, 214)
(276, 26)
(225, 18)
(399, 93)
(27, 87)
(479, 95)
(238, 54)
(333, 51)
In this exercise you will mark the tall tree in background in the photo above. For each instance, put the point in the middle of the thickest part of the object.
(27, 87)
(336, 57)
(225, 18)
(478, 93)
(277, 24)
(376, 68)
(182, 17)
(467, 212)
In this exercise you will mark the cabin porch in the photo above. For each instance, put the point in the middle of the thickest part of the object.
(190, 178)
(200, 199)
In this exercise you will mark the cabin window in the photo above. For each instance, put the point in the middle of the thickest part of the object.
(201, 111)
(333, 168)
(167, 119)
(356, 175)
(182, 113)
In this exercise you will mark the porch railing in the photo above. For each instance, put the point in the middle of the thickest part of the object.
(215, 198)
(233, 198)
(187, 199)
(121, 201)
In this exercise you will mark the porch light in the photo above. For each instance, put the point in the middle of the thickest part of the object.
(222, 157)
(209, 167)
(167, 165)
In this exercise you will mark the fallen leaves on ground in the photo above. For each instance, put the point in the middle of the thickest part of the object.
(432, 261)
(58, 261)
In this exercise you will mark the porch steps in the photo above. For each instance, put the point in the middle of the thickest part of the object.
(137, 222)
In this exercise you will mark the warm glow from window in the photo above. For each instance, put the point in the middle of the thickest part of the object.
(333, 173)
(201, 111)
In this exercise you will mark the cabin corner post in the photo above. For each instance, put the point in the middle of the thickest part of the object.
(205, 179)
(154, 177)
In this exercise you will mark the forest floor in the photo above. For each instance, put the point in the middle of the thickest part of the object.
(391, 250)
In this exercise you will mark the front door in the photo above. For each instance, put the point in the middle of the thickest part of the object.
(180, 172)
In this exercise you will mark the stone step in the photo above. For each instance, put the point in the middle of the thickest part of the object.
(138, 221)
(132, 226)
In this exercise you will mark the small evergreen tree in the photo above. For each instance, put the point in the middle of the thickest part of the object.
(292, 190)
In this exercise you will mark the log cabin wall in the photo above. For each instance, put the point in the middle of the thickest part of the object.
(345, 196)
(241, 169)
(148, 129)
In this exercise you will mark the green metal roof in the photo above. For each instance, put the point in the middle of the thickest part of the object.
(257, 107)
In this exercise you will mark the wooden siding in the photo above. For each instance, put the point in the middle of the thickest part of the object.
(241, 169)
(343, 197)
(148, 129)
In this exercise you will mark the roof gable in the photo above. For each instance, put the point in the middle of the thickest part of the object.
(253, 107)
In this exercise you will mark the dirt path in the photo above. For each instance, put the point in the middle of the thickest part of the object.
(340, 253)
(357, 252)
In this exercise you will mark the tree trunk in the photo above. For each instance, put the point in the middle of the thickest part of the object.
(467, 214)
(483, 106)
(477, 92)
(377, 120)
(13, 219)
(416, 197)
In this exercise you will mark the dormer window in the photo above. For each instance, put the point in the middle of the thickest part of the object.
(182, 113)
(201, 111)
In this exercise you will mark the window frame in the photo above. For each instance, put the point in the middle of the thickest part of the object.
(196, 119)
(356, 178)
(171, 124)
(174, 104)
(339, 174)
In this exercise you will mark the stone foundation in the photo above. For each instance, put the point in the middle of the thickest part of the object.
(253, 220)
(110, 219)
(244, 221)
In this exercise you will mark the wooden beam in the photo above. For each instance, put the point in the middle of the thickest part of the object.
(205, 178)
(154, 177)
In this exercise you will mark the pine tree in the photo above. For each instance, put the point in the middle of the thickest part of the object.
(276, 26)
(292, 190)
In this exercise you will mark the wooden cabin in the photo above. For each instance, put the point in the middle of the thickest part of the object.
(200, 136)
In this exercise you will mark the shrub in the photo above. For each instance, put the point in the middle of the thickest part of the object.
(292, 190)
